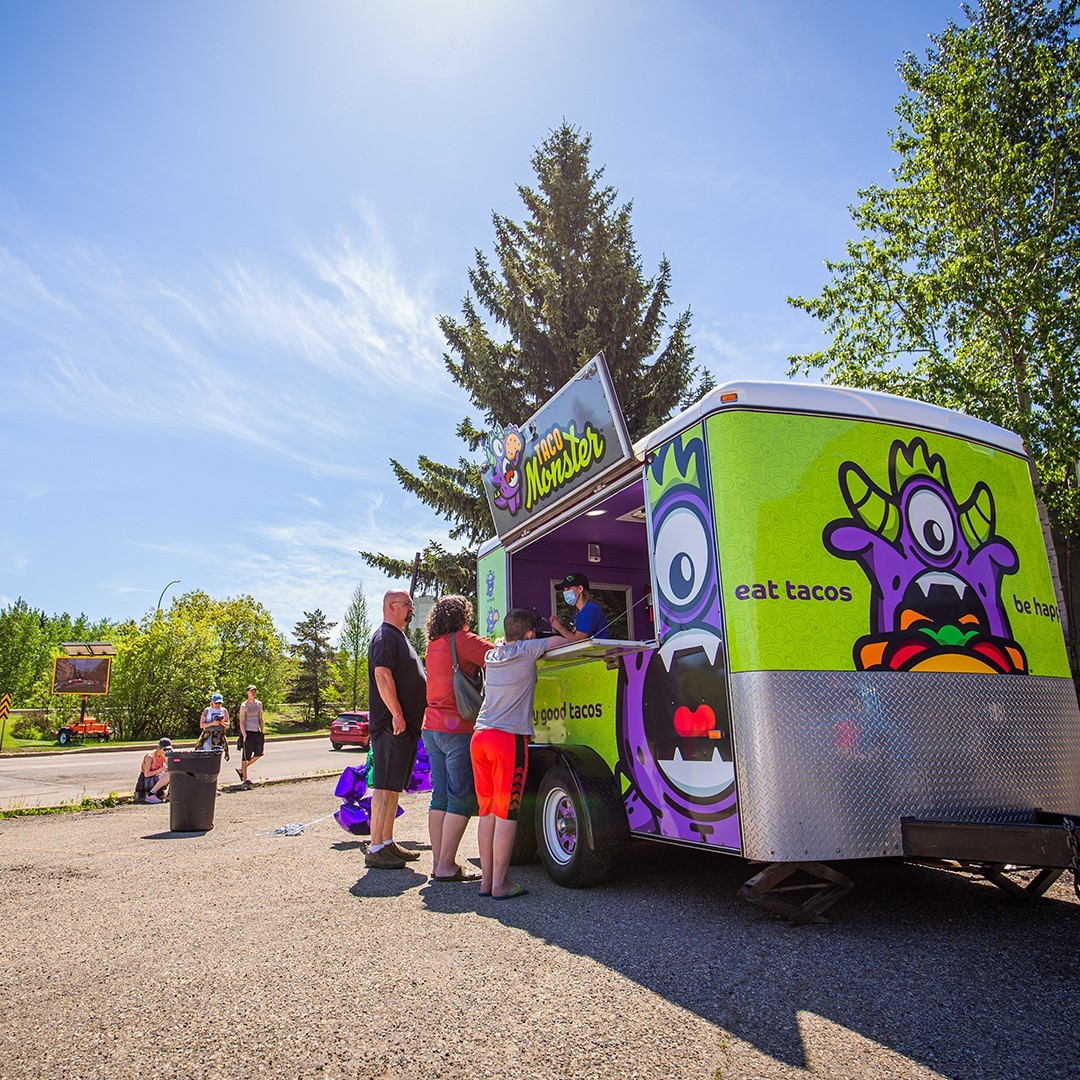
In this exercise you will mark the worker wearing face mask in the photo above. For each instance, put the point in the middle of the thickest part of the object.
(589, 618)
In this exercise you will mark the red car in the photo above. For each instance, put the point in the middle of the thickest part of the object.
(350, 729)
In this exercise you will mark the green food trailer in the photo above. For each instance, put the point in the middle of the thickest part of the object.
(834, 636)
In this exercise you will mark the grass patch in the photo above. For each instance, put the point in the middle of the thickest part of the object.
(11, 743)
(295, 720)
(110, 800)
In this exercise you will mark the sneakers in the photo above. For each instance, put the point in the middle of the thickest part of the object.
(403, 853)
(155, 799)
(384, 859)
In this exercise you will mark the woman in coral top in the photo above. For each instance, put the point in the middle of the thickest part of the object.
(447, 736)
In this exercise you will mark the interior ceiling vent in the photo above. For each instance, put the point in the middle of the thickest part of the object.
(634, 515)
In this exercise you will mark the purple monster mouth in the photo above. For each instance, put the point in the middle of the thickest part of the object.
(698, 767)
(940, 599)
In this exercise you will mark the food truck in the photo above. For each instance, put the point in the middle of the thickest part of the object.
(833, 635)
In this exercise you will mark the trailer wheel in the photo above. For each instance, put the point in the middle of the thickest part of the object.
(63, 736)
(560, 834)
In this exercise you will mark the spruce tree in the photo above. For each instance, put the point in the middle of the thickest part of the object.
(565, 284)
(315, 654)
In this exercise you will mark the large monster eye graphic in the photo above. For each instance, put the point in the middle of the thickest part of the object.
(930, 522)
(682, 557)
(497, 448)
(512, 478)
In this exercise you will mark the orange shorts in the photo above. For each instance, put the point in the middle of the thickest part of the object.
(500, 762)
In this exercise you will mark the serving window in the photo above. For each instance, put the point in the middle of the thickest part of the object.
(608, 543)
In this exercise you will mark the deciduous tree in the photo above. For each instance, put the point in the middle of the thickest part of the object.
(961, 288)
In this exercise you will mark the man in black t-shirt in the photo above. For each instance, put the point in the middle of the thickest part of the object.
(397, 697)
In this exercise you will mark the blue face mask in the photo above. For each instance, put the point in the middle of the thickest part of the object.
(569, 596)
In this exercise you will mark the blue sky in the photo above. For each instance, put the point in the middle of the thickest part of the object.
(227, 229)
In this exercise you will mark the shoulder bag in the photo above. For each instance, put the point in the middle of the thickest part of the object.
(468, 689)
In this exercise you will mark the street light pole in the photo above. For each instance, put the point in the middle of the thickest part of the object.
(163, 591)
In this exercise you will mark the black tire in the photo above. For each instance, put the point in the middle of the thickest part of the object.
(64, 736)
(525, 839)
(336, 745)
(560, 834)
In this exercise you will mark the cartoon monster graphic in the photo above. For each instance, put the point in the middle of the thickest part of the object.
(672, 724)
(503, 470)
(489, 582)
(935, 567)
(492, 620)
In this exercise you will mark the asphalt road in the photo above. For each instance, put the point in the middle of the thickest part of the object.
(68, 776)
(130, 951)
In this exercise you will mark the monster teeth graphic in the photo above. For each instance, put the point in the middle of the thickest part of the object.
(698, 638)
(927, 581)
(698, 778)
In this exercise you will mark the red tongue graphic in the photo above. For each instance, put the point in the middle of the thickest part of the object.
(697, 723)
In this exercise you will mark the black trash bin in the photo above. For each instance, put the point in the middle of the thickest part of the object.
(193, 777)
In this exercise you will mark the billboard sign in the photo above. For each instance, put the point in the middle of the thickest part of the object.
(83, 675)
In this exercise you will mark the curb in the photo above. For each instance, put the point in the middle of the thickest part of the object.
(129, 800)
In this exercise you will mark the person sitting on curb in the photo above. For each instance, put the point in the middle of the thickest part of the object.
(153, 782)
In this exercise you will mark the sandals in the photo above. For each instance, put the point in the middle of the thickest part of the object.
(460, 874)
(519, 890)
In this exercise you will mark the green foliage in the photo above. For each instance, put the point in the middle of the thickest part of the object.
(962, 287)
(168, 666)
(165, 669)
(355, 638)
(162, 677)
(317, 672)
(29, 641)
(248, 650)
(564, 285)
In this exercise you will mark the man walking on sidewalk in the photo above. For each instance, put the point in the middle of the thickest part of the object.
(397, 697)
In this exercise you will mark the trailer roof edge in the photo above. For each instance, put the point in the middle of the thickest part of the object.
(821, 399)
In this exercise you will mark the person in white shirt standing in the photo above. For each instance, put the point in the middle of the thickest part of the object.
(251, 733)
(500, 747)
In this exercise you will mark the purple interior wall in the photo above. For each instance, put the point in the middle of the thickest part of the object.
(624, 556)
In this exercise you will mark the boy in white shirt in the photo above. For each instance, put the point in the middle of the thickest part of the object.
(500, 746)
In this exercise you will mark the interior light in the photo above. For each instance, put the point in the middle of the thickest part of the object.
(594, 513)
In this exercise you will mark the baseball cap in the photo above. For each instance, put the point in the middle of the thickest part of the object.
(251, 687)
(165, 744)
(216, 697)
(573, 579)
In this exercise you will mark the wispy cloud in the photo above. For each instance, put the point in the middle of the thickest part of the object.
(296, 348)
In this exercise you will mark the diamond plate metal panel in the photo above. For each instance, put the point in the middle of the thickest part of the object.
(828, 762)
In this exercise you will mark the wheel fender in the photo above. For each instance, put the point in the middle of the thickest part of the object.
(606, 825)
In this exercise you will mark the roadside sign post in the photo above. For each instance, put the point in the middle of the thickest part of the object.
(5, 710)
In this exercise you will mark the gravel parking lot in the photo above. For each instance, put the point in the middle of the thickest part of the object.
(130, 951)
